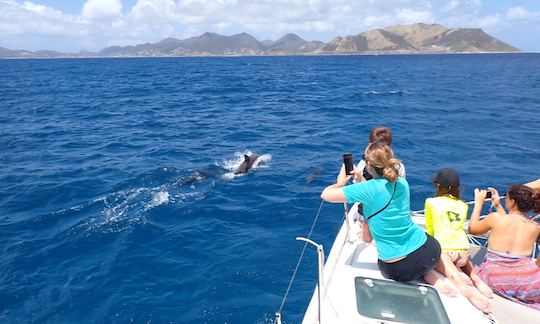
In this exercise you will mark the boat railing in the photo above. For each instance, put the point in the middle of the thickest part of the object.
(470, 202)
(307, 241)
(350, 220)
(479, 240)
(320, 263)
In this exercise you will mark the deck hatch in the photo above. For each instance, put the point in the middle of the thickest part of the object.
(398, 302)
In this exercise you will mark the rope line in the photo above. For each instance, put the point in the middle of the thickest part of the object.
(299, 260)
(471, 202)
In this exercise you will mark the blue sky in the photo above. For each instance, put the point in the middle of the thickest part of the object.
(73, 25)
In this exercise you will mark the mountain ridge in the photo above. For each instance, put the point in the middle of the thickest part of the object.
(397, 39)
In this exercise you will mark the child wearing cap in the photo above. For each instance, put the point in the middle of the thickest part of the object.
(445, 216)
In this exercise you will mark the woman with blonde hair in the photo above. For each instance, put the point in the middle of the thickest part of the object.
(377, 134)
(405, 251)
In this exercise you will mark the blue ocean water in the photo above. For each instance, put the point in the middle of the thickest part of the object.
(117, 202)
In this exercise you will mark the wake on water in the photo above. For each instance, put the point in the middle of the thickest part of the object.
(393, 92)
(120, 210)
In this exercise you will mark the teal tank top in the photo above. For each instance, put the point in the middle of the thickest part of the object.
(394, 232)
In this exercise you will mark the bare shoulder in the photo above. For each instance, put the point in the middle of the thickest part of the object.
(495, 216)
(495, 219)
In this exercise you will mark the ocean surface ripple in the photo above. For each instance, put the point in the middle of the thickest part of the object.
(117, 201)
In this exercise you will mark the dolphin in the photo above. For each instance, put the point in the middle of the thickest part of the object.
(312, 176)
(209, 172)
(249, 160)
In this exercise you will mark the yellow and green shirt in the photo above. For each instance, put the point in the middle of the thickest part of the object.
(445, 217)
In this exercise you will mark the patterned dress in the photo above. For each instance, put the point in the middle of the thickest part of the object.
(513, 277)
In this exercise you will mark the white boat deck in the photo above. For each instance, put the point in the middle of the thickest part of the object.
(350, 258)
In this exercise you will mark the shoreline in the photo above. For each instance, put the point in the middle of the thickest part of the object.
(266, 55)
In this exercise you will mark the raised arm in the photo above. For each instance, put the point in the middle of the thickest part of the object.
(334, 193)
(477, 225)
(496, 201)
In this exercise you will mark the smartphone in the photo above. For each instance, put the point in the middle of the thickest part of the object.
(488, 194)
(349, 165)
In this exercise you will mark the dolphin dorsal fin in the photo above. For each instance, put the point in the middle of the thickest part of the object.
(246, 157)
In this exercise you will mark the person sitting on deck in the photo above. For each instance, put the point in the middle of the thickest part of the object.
(445, 215)
(405, 251)
(508, 267)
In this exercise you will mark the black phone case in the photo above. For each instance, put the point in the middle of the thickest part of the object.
(349, 165)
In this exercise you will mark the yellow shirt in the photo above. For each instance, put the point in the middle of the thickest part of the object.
(445, 217)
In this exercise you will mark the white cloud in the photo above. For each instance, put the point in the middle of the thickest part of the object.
(452, 5)
(379, 21)
(517, 13)
(476, 3)
(409, 16)
(155, 10)
(30, 19)
(489, 22)
(522, 15)
(42, 11)
(101, 10)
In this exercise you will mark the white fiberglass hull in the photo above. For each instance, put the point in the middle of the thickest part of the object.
(349, 257)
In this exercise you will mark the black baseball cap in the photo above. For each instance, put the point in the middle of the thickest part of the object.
(446, 177)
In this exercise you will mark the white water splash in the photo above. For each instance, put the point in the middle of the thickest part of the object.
(160, 198)
(392, 92)
(122, 209)
(232, 164)
(118, 204)
(371, 92)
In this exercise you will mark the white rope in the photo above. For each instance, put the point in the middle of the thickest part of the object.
(278, 313)
(421, 211)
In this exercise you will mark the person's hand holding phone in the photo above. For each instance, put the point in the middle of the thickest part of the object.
(342, 177)
(349, 164)
(494, 195)
(479, 196)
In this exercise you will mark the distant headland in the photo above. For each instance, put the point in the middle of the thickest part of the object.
(400, 39)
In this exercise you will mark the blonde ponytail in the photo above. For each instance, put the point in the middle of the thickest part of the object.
(381, 157)
(391, 171)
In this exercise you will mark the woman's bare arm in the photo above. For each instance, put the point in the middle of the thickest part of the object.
(334, 193)
(477, 225)
(496, 201)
